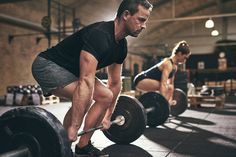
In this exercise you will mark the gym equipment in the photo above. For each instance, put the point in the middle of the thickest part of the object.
(151, 109)
(120, 120)
(32, 132)
(161, 105)
(182, 102)
(135, 121)
(46, 22)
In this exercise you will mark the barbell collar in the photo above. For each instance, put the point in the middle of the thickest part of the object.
(120, 120)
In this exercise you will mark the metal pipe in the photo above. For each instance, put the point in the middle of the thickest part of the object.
(23, 23)
(49, 28)
(173, 8)
(59, 20)
(64, 23)
(193, 17)
(73, 14)
(11, 1)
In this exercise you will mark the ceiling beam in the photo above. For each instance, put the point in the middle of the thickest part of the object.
(11, 1)
(193, 17)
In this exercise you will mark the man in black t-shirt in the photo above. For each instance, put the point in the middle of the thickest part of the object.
(68, 70)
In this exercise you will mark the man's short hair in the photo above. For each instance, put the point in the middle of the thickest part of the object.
(132, 6)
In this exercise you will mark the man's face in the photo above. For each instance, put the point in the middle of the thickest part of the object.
(137, 22)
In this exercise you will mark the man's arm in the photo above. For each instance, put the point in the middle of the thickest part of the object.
(83, 92)
(114, 84)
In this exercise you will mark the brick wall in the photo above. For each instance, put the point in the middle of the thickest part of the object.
(16, 57)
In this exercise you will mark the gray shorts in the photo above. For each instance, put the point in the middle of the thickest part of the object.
(50, 75)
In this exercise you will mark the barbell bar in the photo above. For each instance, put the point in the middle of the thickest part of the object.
(120, 120)
(19, 152)
(127, 110)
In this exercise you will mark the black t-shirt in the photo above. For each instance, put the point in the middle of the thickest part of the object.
(97, 39)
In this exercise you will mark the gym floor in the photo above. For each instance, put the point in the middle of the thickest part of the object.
(201, 132)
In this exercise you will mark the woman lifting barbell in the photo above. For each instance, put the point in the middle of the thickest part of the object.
(160, 77)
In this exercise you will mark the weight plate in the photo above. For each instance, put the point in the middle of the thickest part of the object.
(46, 22)
(161, 112)
(35, 128)
(135, 121)
(182, 102)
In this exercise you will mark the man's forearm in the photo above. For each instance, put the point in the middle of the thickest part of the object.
(116, 91)
(81, 98)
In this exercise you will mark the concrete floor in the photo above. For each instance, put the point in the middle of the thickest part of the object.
(201, 132)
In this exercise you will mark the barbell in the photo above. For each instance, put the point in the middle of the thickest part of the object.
(35, 132)
(162, 106)
(150, 109)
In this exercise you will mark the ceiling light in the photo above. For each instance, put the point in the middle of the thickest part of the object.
(215, 33)
(209, 23)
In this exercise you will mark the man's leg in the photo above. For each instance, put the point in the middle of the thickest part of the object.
(102, 97)
(67, 92)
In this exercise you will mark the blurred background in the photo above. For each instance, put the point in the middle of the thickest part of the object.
(28, 27)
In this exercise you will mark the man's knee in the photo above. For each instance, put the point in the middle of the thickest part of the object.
(105, 97)
(108, 97)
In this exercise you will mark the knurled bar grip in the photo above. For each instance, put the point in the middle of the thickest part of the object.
(116, 121)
